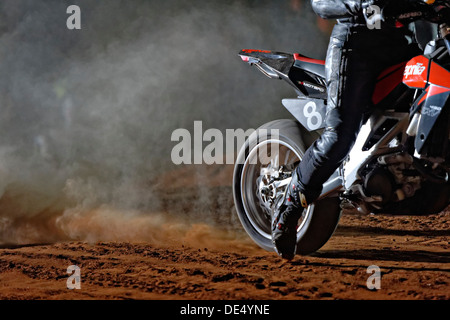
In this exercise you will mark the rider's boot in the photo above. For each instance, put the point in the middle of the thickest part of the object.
(285, 220)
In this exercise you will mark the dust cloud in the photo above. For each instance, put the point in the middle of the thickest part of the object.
(87, 115)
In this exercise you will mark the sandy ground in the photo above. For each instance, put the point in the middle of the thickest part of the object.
(414, 262)
(202, 261)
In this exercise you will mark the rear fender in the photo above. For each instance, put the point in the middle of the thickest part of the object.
(272, 64)
(275, 65)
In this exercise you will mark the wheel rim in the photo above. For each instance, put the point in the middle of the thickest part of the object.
(259, 168)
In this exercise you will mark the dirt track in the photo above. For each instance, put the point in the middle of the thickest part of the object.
(413, 258)
(203, 261)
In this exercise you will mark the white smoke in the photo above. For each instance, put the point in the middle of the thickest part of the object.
(87, 115)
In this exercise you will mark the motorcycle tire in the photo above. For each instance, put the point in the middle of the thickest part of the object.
(318, 221)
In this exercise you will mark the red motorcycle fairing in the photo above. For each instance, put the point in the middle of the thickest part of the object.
(416, 72)
(422, 72)
(387, 81)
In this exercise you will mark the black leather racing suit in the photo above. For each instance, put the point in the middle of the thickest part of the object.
(356, 56)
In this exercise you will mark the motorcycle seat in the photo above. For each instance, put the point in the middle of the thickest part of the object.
(314, 66)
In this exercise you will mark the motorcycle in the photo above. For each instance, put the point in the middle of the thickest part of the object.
(399, 163)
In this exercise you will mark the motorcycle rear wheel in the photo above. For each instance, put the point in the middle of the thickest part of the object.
(283, 151)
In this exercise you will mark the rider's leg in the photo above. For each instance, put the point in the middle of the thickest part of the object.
(352, 70)
(353, 64)
(284, 227)
(346, 111)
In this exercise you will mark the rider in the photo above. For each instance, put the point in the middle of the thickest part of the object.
(356, 55)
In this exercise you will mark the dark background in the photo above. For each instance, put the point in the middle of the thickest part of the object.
(86, 116)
